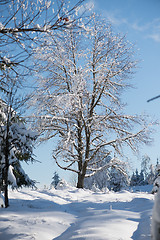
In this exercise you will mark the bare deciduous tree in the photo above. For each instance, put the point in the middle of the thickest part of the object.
(81, 78)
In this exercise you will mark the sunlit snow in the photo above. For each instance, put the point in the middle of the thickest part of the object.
(72, 213)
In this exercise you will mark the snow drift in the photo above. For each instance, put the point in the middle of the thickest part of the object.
(72, 213)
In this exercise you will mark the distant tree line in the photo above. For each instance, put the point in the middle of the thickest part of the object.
(115, 179)
(147, 174)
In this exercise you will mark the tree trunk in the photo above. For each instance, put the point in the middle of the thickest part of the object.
(6, 201)
(80, 183)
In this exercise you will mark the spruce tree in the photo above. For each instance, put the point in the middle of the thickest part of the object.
(56, 180)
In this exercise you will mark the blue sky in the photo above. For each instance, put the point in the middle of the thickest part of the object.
(140, 20)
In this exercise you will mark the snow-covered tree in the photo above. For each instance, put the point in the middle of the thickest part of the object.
(100, 178)
(137, 179)
(111, 176)
(151, 175)
(23, 21)
(133, 180)
(141, 178)
(118, 180)
(145, 165)
(81, 75)
(55, 180)
(156, 183)
(16, 142)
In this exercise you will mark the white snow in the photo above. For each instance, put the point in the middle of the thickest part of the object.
(11, 176)
(71, 213)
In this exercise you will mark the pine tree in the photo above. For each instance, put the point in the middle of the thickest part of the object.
(133, 180)
(137, 179)
(141, 178)
(56, 180)
(16, 141)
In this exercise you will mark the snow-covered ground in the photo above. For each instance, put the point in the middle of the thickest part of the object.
(72, 213)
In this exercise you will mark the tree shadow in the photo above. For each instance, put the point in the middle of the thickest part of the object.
(143, 231)
(137, 205)
(5, 235)
(84, 212)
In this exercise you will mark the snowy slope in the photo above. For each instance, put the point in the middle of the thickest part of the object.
(72, 213)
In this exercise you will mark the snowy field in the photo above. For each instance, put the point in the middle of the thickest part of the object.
(72, 213)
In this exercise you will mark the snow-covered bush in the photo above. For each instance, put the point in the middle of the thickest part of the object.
(62, 185)
(94, 188)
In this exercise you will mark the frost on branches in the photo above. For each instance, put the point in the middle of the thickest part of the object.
(81, 75)
(23, 22)
(16, 145)
(112, 174)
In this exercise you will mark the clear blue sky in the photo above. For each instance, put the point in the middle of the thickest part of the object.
(140, 20)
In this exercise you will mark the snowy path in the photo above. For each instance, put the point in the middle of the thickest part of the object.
(124, 221)
(76, 214)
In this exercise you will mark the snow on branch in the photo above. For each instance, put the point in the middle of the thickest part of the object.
(113, 163)
(11, 177)
(81, 76)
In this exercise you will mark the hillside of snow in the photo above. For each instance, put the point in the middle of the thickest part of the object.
(71, 213)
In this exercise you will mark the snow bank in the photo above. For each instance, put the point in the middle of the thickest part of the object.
(72, 213)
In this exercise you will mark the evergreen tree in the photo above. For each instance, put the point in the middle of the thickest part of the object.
(56, 180)
(22, 179)
(117, 180)
(16, 141)
(16, 145)
(133, 180)
(141, 178)
(137, 179)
